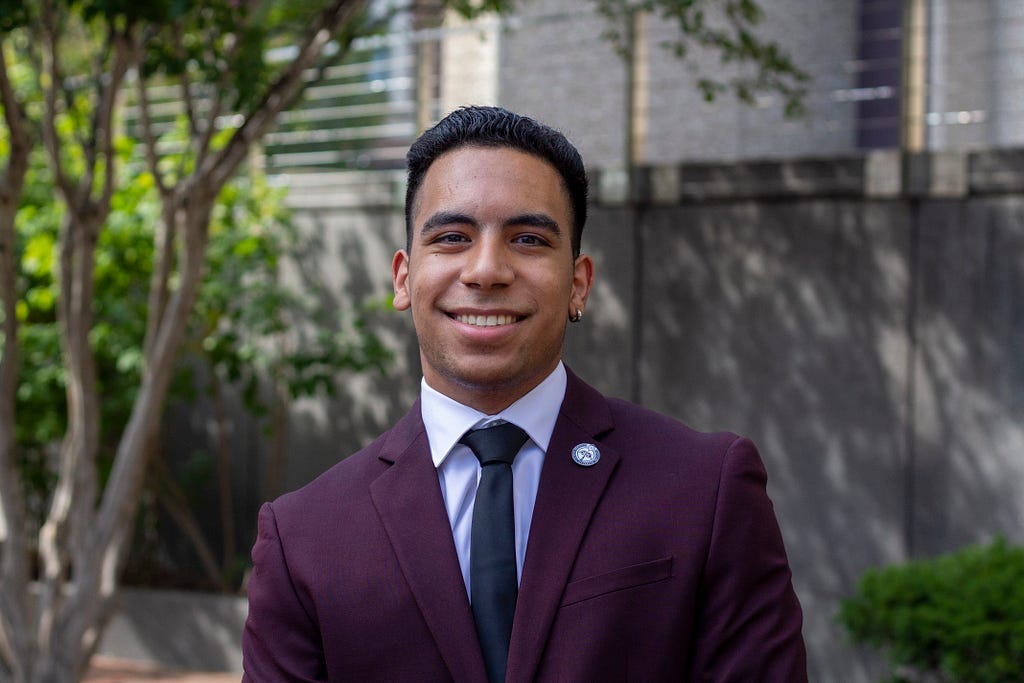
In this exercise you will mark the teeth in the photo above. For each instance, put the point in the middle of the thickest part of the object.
(486, 320)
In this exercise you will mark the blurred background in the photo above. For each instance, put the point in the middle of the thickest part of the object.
(843, 286)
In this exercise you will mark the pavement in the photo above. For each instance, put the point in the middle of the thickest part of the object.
(105, 669)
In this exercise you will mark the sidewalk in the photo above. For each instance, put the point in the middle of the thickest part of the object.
(116, 670)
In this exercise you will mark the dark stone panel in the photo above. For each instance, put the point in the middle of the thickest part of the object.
(993, 171)
(600, 347)
(772, 179)
(787, 322)
(969, 372)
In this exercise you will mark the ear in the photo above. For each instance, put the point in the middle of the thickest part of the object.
(400, 280)
(582, 279)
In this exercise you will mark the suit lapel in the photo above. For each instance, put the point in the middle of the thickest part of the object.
(566, 499)
(408, 499)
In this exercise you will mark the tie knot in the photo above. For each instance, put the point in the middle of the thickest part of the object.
(495, 444)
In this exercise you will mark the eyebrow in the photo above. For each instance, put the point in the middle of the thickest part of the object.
(536, 220)
(532, 220)
(443, 218)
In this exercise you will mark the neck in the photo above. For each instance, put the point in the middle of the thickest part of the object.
(488, 398)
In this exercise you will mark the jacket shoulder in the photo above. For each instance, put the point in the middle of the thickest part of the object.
(642, 425)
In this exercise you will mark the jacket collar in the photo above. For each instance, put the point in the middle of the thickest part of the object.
(566, 500)
(408, 498)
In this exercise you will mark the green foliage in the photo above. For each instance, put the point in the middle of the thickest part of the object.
(13, 14)
(959, 617)
(244, 330)
(220, 43)
(248, 327)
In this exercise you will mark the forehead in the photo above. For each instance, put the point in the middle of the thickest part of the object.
(481, 176)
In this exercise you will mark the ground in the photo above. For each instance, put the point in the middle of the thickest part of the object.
(116, 670)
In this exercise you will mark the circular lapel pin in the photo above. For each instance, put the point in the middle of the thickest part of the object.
(586, 454)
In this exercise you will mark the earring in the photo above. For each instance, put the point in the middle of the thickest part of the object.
(576, 318)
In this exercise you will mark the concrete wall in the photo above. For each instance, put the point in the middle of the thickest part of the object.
(861, 318)
(177, 629)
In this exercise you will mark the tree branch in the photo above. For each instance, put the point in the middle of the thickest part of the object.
(51, 140)
(19, 132)
(149, 139)
(164, 236)
(122, 58)
(217, 99)
(187, 97)
(89, 141)
(281, 94)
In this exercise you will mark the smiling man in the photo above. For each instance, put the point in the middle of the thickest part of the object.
(490, 274)
(516, 524)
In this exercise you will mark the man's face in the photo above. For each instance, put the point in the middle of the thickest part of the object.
(489, 275)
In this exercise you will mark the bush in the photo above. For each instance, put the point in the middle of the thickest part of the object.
(958, 617)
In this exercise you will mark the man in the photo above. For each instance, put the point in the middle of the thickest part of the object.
(642, 550)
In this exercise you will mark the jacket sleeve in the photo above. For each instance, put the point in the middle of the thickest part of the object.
(749, 620)
(281, 642)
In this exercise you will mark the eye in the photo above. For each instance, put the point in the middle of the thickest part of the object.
(450, 238)
(531, 239)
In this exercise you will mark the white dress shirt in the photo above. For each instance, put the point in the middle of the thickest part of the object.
(458, 470)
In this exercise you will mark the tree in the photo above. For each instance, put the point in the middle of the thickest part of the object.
(84, 57)
(82, 542)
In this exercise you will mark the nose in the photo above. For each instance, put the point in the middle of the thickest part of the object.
(488, 263)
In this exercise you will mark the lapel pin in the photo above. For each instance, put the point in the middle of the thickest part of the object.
(586, 454)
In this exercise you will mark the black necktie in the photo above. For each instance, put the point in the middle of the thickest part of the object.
(492, 566)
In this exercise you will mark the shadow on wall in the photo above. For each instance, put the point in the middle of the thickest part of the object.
(348, 263)
(969, 459)
(798, 323)
(787, 322)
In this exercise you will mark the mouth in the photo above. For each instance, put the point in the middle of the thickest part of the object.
(488, 320)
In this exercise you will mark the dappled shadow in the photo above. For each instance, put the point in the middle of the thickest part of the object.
(969, 416)
(348, 265)
(794, 322)
(786, 322)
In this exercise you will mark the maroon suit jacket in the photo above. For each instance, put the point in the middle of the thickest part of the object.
(663, 561)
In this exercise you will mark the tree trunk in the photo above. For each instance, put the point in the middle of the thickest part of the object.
(65, 545)
(15, 607)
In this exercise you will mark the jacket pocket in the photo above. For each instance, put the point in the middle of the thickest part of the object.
(617, 580)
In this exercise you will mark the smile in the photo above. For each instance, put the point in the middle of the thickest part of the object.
(487, 320)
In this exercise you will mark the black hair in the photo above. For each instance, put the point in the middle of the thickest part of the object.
(497, 127)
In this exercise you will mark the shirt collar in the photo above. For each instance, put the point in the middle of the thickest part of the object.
(446, 420)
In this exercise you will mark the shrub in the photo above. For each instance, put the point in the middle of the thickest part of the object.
(958, 617)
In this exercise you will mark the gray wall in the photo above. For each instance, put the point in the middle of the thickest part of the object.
(556, 66)
(860, 318)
